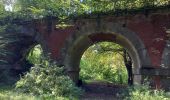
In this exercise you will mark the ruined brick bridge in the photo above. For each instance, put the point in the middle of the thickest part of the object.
(145, 34)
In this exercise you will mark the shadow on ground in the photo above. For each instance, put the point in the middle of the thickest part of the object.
(102, 91)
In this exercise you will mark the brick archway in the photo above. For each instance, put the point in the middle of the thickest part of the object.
(91, 33)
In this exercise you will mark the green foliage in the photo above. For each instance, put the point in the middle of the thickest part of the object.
(65, 8)
(104, 61)
(56, 8)
(2, 8)
(144, 92)
(47, 80)
(8, 95)
(35, 54)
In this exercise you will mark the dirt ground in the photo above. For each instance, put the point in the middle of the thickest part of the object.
(102, 91)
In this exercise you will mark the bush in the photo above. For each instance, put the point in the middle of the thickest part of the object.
(48, 81)
(144, 92)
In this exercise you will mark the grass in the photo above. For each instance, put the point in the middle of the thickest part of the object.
(144, 92)
(8, 93)
(140, 93)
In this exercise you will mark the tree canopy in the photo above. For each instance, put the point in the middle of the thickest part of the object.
(65, 8)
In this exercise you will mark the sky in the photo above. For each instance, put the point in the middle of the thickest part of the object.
(8, 4)
(8, 7)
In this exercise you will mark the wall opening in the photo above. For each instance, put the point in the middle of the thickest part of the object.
(30, 57)
(80, 45)
(34, 55)
(106, 62)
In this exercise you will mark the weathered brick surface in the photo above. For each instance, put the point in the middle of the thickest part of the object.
(143, 35)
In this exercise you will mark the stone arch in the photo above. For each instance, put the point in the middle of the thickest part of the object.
(21, 50)
(93, 32)
(27, 38)
(16, 59)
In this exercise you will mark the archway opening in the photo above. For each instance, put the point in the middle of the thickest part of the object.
(106, 62)
(29, 57)
(34, 55)
(80, 45)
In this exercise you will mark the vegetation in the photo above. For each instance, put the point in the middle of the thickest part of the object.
(104, 61)
(12, 11)
(48, 81)
(144, 92)
(11, 95)
(60, 8)
(35, 54)
(45, 80)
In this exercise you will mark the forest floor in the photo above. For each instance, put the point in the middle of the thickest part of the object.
(95, 90)
(102, 91)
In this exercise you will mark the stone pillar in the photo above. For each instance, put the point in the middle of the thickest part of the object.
(137, 78)
(74, 75)
(165, 64)
(168, 32)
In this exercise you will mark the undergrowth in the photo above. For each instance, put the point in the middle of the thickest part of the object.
(48, 81)
(144, 92)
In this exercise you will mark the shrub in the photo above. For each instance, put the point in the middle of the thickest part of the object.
(144, 92)
(47, 80)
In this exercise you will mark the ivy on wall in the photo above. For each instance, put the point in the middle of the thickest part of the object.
(61, 8)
